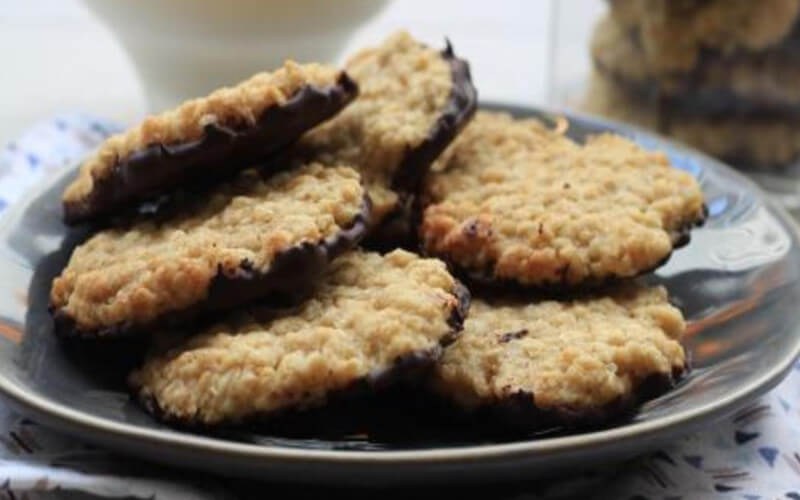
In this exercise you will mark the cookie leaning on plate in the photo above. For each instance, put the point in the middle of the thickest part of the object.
(206, 138)
(581, 362)
(256, 236)
(413, 100)
(518, 204)
(372, 319)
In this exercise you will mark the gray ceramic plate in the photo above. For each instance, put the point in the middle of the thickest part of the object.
(737, 283)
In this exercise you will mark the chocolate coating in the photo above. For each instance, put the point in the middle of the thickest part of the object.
(220, 153)
(458, 314)
(398, 229)
(460, 107)
(290, 278)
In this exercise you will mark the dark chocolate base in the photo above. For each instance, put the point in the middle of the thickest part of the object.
(408, 371)
(290, 278)
(220, 153)
(459, 314)
(398, 229)
(519, 414)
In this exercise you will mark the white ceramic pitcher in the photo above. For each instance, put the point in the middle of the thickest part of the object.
(186, 48)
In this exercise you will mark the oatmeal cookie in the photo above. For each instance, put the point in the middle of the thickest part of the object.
(372, 319)
(755, 142)
(757, 83)
(516, 203)
(581, 362)
(206, 138)
(674, 34)
(413, 100)
(254, 237)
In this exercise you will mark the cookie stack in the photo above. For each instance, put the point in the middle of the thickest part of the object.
(235, 235)
(549, 233)
(720, 75)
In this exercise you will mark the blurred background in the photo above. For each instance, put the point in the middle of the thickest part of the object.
(58, 56)
(722, 76)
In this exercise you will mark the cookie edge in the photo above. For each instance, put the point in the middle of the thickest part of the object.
(224, 290)
(411, 366)
(462, 103)
(111, 193)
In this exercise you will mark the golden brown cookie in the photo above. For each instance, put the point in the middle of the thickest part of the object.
(580, 362)
(373, 318)
(413, 100)
(255, 237)
(517, 203)
(206, 139)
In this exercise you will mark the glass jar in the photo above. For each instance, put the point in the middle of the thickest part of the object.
(720, 75)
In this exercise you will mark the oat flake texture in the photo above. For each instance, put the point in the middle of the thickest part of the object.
(370, 312)
(573, 357)
(404, 88)
(136, 274)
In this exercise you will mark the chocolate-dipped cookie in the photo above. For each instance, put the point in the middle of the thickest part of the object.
(372, 319)
(413, 101)
(515, 203)
(254, 237)
(676, 34)
(748, 142)
(206, 139)
(751, 84)
(582, 362)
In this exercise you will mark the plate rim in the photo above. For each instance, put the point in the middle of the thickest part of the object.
(62, 416)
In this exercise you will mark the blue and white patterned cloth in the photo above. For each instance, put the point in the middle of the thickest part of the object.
(753, 455)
